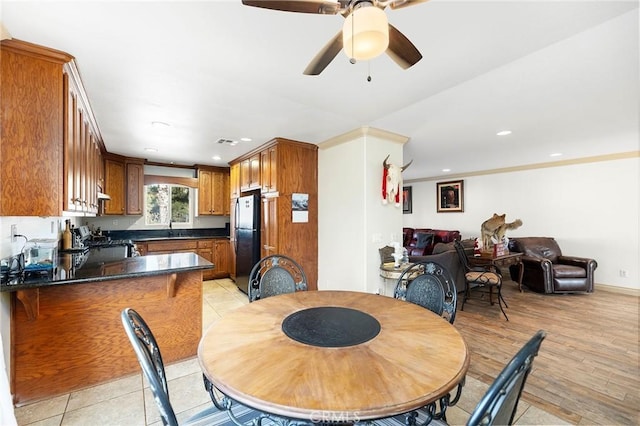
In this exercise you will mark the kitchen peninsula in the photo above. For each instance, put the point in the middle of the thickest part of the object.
(66, 331)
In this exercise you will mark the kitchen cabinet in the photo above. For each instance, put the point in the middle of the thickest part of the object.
(287, 168)
(49, 134)
(215, 250)
(269, 169)
(82, 161)
(212, 195)
(114, 178)
(205, 249)
(135, 187)
(221, 258)
(250, 173)
(124, 183)
(234, 180)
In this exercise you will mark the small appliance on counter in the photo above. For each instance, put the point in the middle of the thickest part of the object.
(40, 256)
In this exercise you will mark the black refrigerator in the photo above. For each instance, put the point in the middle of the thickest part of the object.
(247, 237)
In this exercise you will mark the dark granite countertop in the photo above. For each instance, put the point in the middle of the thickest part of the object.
(130, 267)
(164, 234)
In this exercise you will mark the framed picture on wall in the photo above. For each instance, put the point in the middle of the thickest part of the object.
(450, 196)
(406, 200)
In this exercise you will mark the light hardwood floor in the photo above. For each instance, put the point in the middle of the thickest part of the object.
(587, 369)
(586, 373)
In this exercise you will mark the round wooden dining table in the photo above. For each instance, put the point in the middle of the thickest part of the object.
(326, 356)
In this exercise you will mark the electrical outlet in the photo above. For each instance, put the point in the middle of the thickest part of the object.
(14, 232)
(624, 273)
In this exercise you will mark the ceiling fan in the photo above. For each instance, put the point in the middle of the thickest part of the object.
(356, 12)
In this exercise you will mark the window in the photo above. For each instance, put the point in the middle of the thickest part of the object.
(165, 203)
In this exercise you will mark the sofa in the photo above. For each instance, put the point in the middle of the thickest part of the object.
(445, 254)
(547, 270)
(421, 241)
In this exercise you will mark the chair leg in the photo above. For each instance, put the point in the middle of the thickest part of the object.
(466, 295)
(500, 300)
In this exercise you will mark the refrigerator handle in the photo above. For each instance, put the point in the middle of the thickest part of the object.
(235, 225)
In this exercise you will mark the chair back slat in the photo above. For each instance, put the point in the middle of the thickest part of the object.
(499, 405)
(275, 274)
(431, 286)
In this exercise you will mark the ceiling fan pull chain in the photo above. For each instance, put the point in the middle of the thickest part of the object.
(369, 71)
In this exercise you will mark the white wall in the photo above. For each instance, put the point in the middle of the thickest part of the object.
(352, 221)
(591, 209)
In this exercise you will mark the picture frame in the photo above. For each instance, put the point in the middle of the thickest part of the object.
(407, 200)
(450, 196)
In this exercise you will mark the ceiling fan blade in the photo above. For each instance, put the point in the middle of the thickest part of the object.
(400, 4)
(327, 7)
(401, 50)
(325, 56)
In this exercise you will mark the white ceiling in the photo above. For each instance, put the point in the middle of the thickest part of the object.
(563, 76)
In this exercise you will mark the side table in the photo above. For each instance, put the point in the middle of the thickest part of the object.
(391, 274)
(500, 262)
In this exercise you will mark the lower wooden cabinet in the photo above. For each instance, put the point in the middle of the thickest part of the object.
(215, 250)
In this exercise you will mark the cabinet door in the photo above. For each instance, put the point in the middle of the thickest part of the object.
(218, 201)
(114, 184)
(226, 193)
(269, 169)
(234, 181)
(269, 230)
(205, 250)
(221, 258)
(135, 188)
(70, 163)
(205, 186)
(250, 173)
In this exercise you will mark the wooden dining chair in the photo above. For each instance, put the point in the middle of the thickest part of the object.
(499, 404)
(429, 285)
(275, 274)
(147, 351)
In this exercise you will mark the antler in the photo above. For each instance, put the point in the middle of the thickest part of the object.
(384, 163)
(406, 165)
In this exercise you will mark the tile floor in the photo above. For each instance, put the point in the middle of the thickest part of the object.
(129, 402)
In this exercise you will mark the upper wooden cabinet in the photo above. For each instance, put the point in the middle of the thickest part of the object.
(135, 187)
(82, 158)
(269, 169)
(124, 183)
(49, 135)
(234, 180)
(213, 191)
(250, 173)
(114, 177)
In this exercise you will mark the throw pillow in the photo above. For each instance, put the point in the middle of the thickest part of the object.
(423, 240)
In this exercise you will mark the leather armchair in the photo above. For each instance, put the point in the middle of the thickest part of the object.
(547, 270)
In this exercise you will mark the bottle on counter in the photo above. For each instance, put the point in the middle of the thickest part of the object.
(66, 235)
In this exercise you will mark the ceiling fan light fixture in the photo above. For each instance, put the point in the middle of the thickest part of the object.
(365, 33)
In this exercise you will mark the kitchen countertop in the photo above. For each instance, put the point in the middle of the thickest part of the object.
(130, 267)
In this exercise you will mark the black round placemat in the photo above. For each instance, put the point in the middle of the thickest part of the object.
(331, 327)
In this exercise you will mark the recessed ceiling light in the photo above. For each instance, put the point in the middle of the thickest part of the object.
(159, 124)
(556, 154)
(216, 157)
(504, 133)
(245, 139)
(446, 170)
(151, 149)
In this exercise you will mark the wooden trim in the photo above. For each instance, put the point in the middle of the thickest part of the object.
(30, 301)
(617, 289)
(562, 163)
(35, 50)
(171, 180)
(274, 141)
